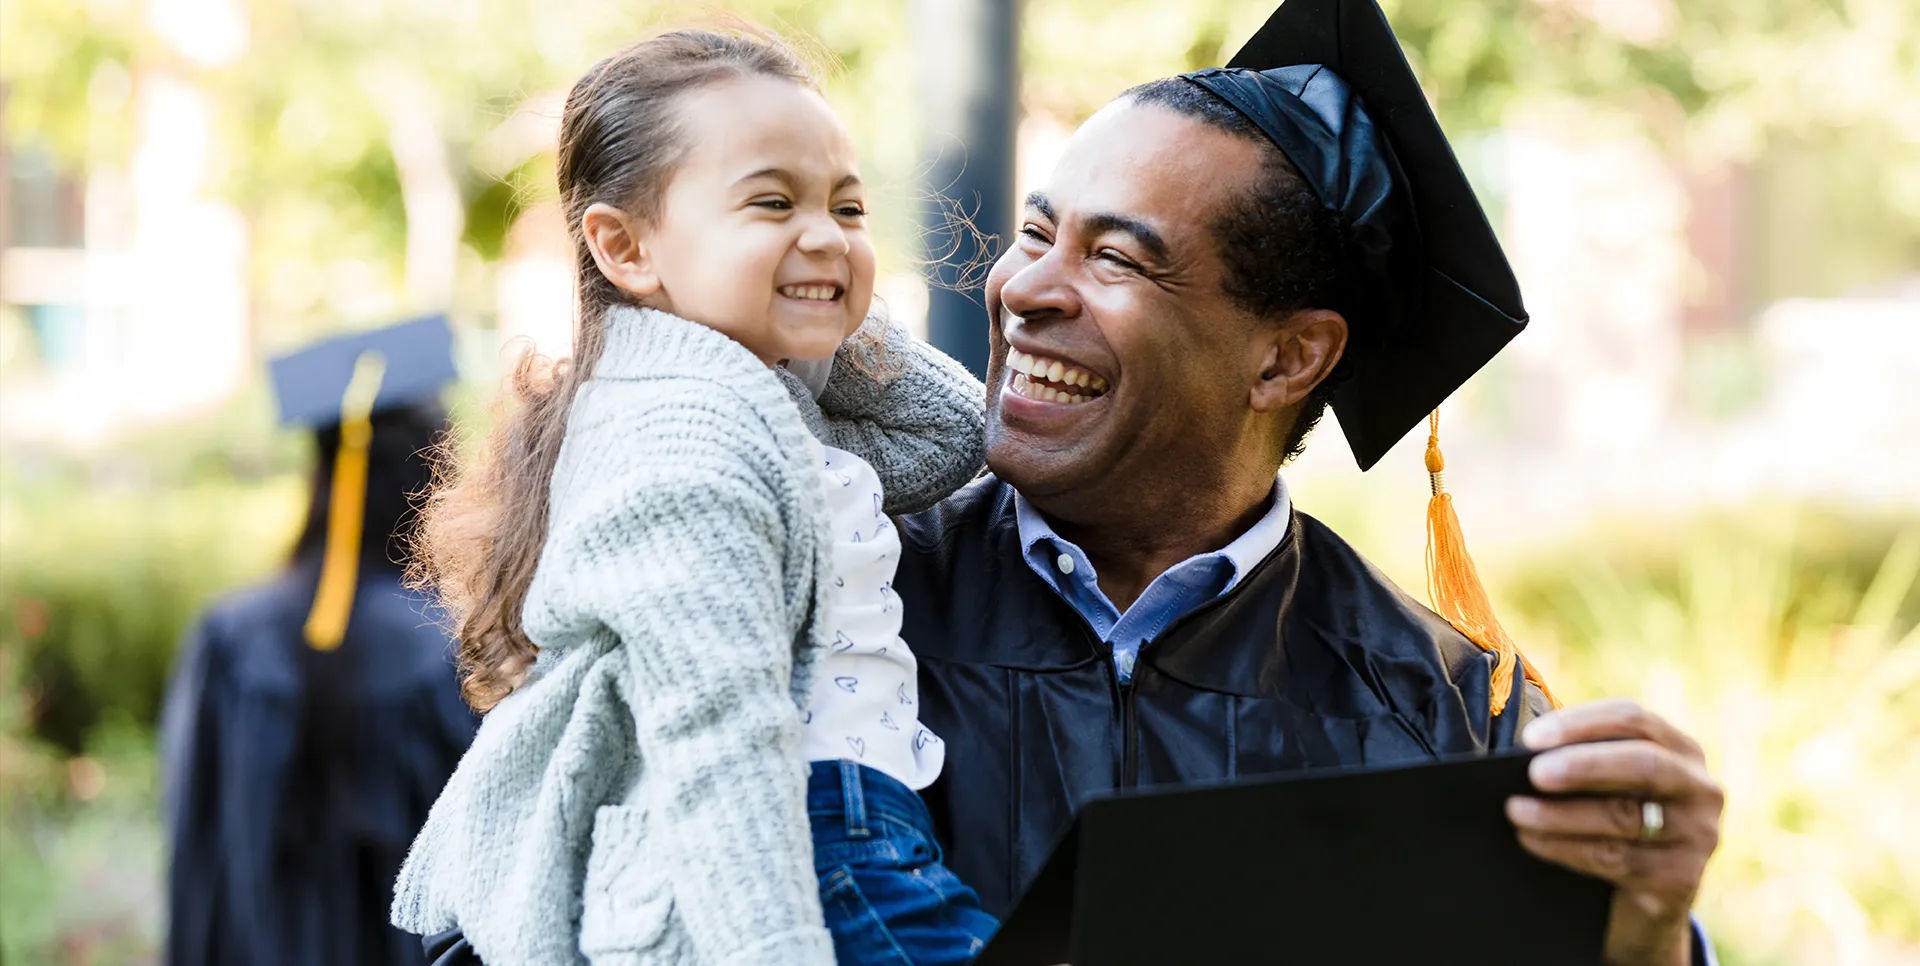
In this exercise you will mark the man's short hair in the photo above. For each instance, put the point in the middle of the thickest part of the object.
(1280, 245)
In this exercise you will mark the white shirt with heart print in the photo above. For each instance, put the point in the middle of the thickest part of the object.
(865, 702)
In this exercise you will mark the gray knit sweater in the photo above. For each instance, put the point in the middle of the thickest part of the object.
(641, 800)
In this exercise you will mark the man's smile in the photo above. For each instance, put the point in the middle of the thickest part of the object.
(1051, 380)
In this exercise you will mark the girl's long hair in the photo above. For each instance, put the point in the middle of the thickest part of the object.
(484, 523)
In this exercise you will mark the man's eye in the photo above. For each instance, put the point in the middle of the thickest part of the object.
(1033, 232)
(1116, 258)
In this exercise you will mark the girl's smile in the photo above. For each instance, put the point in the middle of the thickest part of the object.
(761, 232)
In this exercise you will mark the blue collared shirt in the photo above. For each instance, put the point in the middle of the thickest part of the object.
(1172, 595)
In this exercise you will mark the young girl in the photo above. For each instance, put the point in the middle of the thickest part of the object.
(674, 595)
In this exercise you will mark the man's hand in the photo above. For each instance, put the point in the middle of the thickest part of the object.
(1640, 758)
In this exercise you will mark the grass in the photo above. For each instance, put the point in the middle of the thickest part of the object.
(1790, 647)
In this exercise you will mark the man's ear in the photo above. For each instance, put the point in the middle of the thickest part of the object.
(614, 239)
(1297, 357)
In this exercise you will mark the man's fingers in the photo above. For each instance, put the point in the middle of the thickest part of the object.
(1603, 720)
(1638, 768)
(1661, 879)
(1616, 860)
(1589, 817)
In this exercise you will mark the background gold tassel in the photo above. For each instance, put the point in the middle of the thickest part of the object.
(1453, 585)
(346, 508)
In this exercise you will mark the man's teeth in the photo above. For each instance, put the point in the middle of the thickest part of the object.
(811, 293)
(1054, 371)
(1029, 370)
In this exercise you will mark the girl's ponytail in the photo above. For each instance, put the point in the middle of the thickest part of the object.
(484, 524)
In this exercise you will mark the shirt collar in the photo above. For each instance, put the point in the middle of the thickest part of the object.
(1242, 554)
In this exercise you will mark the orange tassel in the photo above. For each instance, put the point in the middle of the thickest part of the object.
(346, 508)
(1453, 584)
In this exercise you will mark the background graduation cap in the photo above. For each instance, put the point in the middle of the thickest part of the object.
(345, 381)
(1427, 292)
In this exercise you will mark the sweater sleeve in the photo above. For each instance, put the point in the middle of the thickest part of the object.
(910, 411)
(680, 553)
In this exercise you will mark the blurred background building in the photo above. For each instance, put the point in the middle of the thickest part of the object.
(1695, 479)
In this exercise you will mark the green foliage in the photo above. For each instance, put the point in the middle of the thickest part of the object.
(306, 114)
(1789, 645)
(491, 210)
(81, 856)
(98, 585)
(103, 564)
(1711, 81)
(1700, 58)
(64, 67)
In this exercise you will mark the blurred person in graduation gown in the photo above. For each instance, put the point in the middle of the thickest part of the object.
(313, 719)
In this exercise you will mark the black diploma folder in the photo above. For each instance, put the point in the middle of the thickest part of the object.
(1401, 865)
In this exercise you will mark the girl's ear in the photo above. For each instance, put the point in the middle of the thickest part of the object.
(614, 240)
(1297, 357)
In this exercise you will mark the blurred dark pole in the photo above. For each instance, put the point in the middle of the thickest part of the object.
(969, 78)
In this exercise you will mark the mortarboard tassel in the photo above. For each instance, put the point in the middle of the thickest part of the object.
(346, 507)
(1453, 584)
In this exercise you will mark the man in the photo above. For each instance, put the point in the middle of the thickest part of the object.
(1129, 598)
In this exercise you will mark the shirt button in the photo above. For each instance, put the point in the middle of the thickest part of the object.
(1064, 562)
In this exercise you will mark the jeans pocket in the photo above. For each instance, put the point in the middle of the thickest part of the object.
(903, 913)
(860, 935)
(943, 883)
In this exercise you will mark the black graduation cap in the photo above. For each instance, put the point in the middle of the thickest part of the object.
(311, 383)
(1430, 296)
(344, 381)
(1406, 865)
(1427, 292)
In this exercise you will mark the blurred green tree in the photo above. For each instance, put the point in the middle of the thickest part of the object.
(407, 136)
(1736, 64)
(413, 135)
(401, 137)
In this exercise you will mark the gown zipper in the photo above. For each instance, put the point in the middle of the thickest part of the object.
(1123, 696)
(1124, 693)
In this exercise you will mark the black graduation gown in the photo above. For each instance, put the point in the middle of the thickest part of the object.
(1313, 659)
(295, 779)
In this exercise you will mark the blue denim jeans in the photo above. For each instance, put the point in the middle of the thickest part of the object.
(889, 899)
